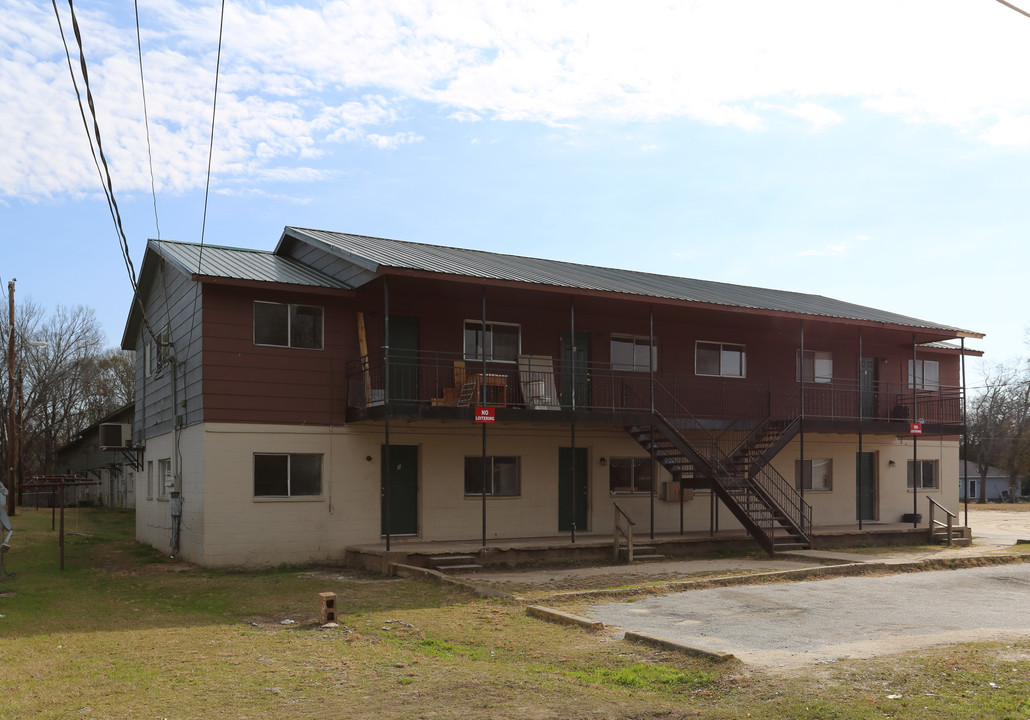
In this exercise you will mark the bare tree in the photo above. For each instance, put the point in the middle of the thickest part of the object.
(999, 425)
(66, 379)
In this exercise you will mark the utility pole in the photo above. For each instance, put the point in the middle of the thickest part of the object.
(12, 425)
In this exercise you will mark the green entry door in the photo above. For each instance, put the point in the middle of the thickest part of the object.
(403, 359)
(580, 355)
(572, 504)
(865, 471)
(402, 482)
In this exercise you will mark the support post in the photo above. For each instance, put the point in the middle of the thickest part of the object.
(801, 421)
(572, 395)
(482, 392)
(861, 414)
(650, 375)
(915, 441)
(386, 408)
(965, 437)
(12, 418)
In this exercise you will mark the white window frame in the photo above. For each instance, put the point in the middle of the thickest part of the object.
(290, 494)
(165, 478)
(634, 464)
(821, 468)
(148, 359)
(639, 345)
(493, 473)
(927, 375)
(817, 366)
(934, 466)
(475, 353)
(722, 356)
(291, 310)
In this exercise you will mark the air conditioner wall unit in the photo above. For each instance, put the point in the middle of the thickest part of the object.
(115, 436)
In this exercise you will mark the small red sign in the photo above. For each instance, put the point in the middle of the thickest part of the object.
(484, 414)
(915, 428)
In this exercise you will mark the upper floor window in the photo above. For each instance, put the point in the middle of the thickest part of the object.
(815, 366)
(501, 341)
(720, 359)
(287, 325)
(630, 352)
(927, 375)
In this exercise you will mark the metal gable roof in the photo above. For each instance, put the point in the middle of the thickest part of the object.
(379, 253)
(242, 264)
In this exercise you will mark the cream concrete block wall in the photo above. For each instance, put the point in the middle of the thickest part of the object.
(241, 529)
(153, 514)
(893, 498)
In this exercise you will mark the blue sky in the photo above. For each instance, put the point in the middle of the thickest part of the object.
(877, 153)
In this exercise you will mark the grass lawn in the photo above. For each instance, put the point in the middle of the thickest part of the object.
(125, 632)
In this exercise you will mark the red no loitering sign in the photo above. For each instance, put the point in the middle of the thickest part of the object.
(915, 428)
(484, 414)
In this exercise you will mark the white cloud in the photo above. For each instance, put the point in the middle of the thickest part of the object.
(296, 76)
(833, 250)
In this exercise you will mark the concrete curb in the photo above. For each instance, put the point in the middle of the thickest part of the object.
(430, 575)
(558, 616)
(666, 644)
(812, 573)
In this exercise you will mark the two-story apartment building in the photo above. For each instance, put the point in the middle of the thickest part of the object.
(347, 390)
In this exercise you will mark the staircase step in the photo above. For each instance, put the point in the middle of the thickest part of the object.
(647, 558)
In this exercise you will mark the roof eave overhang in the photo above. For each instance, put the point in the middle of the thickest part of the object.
(292, 233)
(928, 333)
(266, 285)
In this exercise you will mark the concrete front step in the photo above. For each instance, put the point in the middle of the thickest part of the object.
(455, 563)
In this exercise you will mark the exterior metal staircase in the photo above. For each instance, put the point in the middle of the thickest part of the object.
(765, 503)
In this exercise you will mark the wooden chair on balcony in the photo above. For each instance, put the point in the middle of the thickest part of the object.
(465, 389)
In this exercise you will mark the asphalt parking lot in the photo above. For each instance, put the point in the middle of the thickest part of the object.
(802, 623)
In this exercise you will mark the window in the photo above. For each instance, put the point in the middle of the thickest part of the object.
(287, 475)
(817, 474)
(150, 480)
(502, 476)
(926, 473)
(148, 359)
(631, 353)
(165, 479)
(629, 475)
(720, 359)
(502, 341)
(816, 366)
(282, 325)
(927, 375)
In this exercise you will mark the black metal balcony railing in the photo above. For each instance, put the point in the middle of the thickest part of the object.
(449, 379)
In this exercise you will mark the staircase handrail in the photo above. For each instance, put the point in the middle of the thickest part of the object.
(766, 480)
(933, 524)
(627, 533)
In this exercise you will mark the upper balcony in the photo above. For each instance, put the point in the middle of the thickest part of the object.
(542, 389)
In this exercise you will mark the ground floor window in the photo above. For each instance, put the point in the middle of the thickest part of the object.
(165, 479)
(287, 474)
(629, 475)
(925, 474)
(150, 479)
(813, 474)
(502, 476)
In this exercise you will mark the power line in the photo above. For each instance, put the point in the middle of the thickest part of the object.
(98, 150)
(146, 119)
(1010, 5)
